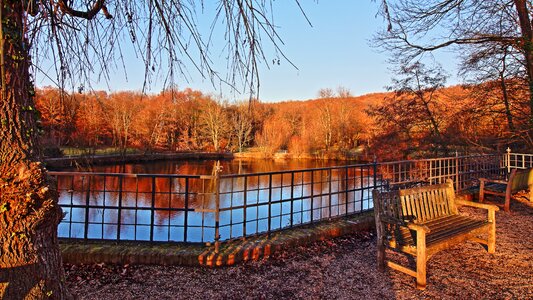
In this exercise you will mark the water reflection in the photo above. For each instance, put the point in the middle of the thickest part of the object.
(182, 207)
(230, 166)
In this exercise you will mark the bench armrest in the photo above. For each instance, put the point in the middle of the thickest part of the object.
(418, 227)
(391, 220)
(477, 205)
(493, 180)
(410, 225)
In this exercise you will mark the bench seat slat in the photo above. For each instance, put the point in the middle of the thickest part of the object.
(442, 228)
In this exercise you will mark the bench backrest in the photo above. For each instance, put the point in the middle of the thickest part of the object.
(521, 179)
(429, 202)
(419, 205)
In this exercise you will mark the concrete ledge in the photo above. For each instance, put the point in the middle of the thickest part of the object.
(82, 252)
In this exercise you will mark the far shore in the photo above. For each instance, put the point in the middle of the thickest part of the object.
(69, 161)
(104, 159)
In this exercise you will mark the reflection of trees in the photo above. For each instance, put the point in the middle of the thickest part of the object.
(320, 193)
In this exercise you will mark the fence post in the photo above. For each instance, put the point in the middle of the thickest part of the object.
(87, 203)
(330, 174)
(375, 164)
(218, 169)
(457, 185)
(508, 162)
(152, 209)
(119, 213)
(186, 212)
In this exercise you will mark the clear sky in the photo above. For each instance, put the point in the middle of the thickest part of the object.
(335, 51)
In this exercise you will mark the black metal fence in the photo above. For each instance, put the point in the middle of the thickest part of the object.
(463, 170)
(216, 207)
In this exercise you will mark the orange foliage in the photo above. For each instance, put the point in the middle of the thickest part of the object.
(184, 120)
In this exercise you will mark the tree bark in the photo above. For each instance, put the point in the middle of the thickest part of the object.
(527, 46)
(30, 261)
(506, 103)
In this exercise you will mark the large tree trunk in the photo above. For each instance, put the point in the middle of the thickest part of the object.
(30, 261)
(527, 40)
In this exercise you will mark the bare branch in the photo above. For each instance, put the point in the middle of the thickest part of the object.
(99, 5)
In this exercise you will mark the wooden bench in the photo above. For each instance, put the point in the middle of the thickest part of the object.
(421, 221)
(519, 180)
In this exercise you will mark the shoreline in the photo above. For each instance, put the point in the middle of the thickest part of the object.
(71, 161)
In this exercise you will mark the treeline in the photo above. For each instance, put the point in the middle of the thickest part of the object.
(188, 120)
(404, 123)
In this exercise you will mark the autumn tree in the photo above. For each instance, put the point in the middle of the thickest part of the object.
(326, 93)
(59, 111)
(121, 110)
(84, 36)
(498, 85)
(241, 126)
(413, 114)
(91, 124)
(214, 122)
(154, 123)
(325, 118)
(189, 105)
(418, 27)
(477, 120)
(273, 136)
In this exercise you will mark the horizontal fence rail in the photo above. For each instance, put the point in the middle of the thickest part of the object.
(517, 160)
(463, 170)
(217, 207)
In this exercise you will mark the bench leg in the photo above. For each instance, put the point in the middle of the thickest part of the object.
(481, 191)
(507, 205)
(491, 242)
(421, 260)
(381, 256)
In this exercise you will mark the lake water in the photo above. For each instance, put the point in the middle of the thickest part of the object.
(205, 167)
(181, 206)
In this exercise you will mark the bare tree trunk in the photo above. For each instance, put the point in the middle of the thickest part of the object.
(527, 36)
(30, 261)
(506, 103)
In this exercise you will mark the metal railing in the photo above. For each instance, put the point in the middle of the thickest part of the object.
(217, 207)
(463, 170)
(517, 160)
(266, 202)
(206, 208)
(139, 207)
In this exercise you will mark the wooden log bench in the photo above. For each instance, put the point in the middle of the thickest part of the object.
(519, 180)
(421, 221)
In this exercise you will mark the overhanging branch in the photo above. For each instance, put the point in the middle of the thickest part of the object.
(99, 5)
(472, 40)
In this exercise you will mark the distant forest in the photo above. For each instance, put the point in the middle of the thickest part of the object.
(394, 125)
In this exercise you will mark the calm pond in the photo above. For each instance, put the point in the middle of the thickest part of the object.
(254, 196)
(205, 167)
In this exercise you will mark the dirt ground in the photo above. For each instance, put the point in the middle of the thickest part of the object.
(343, 268)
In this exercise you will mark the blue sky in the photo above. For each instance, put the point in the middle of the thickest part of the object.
(335, 51)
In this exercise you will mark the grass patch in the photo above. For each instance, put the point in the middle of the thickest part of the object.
(71, 151)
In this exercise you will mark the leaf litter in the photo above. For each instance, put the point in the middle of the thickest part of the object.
(341, 268)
